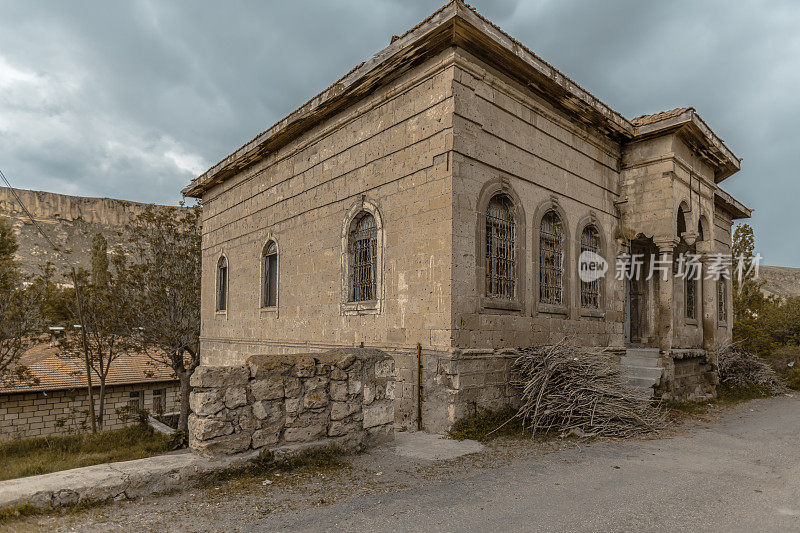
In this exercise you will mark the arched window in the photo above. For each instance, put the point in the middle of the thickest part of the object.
(551, 260)
(222, 284)
(363, 251)
(501, 265)
(590, 290)
(269, 275)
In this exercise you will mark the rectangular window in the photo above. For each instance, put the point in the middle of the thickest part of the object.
(135, 400)
(159, 400)
(722, 300)
(691, 298)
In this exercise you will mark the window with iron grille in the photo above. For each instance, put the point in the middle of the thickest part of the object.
(222, 284)
(159, 401)
(551, 260)
(363, 244)
(501, 264)
(722, 300)
(590, 291)
(691, 298)
(269, 275)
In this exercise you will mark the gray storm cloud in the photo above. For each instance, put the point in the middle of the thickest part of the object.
(133, 99)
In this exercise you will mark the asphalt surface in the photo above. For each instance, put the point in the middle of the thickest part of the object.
(740, 473)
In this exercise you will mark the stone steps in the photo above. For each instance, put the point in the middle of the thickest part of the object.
(640, 368)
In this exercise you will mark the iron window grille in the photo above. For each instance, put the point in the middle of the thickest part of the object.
(363, 259)
(501, 265)
(722, 300)
(691, 298)
(269, 275)
(551, 260)
(590, 290)
(222, 284)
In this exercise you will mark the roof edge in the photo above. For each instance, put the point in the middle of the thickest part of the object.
(731, 205)
(730, 163)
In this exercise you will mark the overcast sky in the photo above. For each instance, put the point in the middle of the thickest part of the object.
(133, 99)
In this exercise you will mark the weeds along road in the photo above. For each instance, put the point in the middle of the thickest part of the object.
(740, 473)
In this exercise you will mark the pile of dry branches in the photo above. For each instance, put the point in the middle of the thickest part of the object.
(579, 391)
(740, 368)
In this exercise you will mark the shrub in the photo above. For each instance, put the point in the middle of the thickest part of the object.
(740, 368)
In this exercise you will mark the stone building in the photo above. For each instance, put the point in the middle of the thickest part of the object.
(433, 203)
(58, 404)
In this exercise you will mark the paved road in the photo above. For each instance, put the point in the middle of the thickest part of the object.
(741, 473)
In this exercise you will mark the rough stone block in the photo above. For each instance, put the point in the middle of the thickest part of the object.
(305, 367)
(384, 369)
(304, 434)
(315, 399)
(267, 389)
(338, 373)
(269, 411)
(338, 391)
(369, 394)
(346, 361)
(353, 386)
(235, 397)
(204, 428)
(379, 414)
(340, 410)
(220, 376)
(293, 387)
(206, 403)
(265, 437)
(228, 444)
(339, 428)
(293, 405)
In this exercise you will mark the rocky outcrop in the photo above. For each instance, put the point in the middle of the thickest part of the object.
(342, 396)
(69, 221)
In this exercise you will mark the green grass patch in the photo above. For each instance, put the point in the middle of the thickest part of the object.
(730, 394)
(317, 459)
(485, 425)
(42, 455)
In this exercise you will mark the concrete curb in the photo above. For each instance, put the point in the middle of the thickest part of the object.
(118, 481)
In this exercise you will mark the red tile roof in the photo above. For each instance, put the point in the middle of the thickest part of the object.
(56, 372)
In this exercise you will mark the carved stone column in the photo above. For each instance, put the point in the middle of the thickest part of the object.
(664, 293)
(709, 297)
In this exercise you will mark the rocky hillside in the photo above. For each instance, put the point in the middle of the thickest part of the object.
(69, 221)
(780, 281)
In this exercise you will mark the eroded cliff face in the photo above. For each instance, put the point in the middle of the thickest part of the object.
(69, 221)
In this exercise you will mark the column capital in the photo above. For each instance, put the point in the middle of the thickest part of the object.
(666, 244)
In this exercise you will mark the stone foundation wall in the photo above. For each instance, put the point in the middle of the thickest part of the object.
(341, 396)
(690, 377)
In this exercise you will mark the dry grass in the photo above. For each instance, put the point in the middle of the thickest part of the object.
(579, 391)
(41, 455)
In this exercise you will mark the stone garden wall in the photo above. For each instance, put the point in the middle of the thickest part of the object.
(342, 396)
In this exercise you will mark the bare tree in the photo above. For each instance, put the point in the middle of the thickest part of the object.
(164, 278)
(105, 317)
